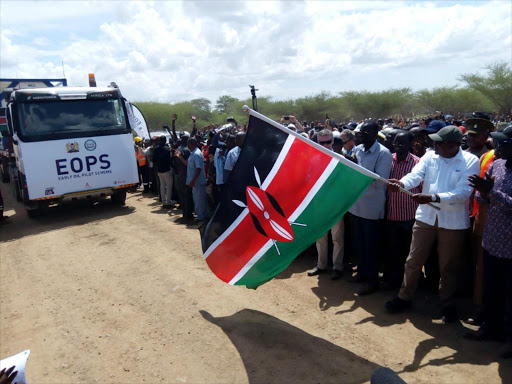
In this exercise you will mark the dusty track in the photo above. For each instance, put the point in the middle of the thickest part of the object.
(122, 295)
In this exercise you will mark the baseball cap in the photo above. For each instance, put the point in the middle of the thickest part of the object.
(505, 134)
(478, 125)
(481, 115)
(448, 133)
(435, 125)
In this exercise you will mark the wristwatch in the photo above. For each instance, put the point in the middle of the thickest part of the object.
(436, 198)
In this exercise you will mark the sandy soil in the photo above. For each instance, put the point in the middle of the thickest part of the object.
(122, 295)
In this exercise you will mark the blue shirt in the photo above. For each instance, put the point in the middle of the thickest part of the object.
(196, 161)
(231, 158)
(372, 203)
(218, 162)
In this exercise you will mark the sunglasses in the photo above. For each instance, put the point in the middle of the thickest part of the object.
(325, 142)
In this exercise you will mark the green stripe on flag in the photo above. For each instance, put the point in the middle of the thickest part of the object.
(338, 193)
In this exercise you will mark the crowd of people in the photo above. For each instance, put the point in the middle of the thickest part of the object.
(452, 232)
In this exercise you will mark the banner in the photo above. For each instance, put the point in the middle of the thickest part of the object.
(137, 121)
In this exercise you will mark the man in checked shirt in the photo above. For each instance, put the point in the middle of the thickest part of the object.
(400, 212)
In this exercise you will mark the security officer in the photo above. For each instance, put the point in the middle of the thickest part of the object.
(141, 163)
(477, 129)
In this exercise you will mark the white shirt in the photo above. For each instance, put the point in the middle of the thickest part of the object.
(447, 178)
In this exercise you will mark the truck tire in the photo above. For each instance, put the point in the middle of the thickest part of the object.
(33, 213)
(119, 198)
(16, 190)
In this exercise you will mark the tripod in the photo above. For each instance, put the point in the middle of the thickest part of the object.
(254, 98)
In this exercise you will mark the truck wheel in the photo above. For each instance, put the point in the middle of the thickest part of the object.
(33, 213)
(16, 191)
(119, 198)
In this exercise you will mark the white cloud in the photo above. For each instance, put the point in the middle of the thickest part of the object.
(169, 51)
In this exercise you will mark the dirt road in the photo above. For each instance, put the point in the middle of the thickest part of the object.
(122, 295)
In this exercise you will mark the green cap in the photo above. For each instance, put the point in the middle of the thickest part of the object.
(449, 133)
(477, 125)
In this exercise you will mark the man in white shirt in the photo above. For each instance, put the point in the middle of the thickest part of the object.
(444, 173)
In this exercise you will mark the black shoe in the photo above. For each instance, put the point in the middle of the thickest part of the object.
(388, 286)
(398, 305)
(476, 319)
(315, 271)
(335, 275)
(356, 279)
(449, 315)
(367, 289)
(507, 354)
(484, 334)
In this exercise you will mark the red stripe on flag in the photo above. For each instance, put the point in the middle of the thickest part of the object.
(300, 170)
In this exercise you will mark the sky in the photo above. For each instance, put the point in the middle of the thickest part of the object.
(169, 51)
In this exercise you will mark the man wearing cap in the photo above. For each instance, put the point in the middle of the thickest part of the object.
(477, 130)
(444, 173)
(495, 190)
(369, 210)
(432, 127)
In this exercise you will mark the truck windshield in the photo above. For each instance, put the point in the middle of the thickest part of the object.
(51, 120)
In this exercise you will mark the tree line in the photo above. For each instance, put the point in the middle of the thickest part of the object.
(491, 92)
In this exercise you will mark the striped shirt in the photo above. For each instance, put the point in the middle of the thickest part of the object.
(401, 207)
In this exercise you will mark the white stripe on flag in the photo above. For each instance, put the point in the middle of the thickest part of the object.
(266, 183)
(251, 262)
(298, 211)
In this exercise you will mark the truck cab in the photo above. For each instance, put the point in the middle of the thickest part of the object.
(70, 143)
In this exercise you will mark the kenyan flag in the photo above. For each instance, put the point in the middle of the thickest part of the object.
(282, 195)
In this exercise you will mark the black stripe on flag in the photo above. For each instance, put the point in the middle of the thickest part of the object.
(261, 149)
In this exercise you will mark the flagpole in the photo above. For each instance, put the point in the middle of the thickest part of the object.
(328, 152)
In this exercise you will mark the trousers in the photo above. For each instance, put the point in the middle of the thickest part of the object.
(450, 246)
(143, 175)
(498, 290)
(166, 182)
(201, 202)
(398, 244)
(185, 197)
(366, 248)
(338, 251)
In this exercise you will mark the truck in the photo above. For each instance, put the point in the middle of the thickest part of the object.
(7, 160)
(70, 143)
